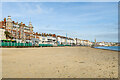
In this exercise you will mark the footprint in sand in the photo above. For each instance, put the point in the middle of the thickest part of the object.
(81, 62)
(99, 69)
(75, 61)
(30, 65)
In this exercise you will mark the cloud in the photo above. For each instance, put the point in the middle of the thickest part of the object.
(62, 32)
(79, 20)
(108, 35)
(58, 30)
(25, 9)
(30, 9)
(53, 30)
(37, 10)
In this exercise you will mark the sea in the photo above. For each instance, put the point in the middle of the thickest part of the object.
(114, 48)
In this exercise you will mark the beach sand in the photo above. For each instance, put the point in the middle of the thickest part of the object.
(59, 62)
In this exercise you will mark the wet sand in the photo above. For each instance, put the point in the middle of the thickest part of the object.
(59, 62)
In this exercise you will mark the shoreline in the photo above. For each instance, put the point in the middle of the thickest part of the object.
(59, 46)
(107, 49)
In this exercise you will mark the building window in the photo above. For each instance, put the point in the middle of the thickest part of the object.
(43, 38)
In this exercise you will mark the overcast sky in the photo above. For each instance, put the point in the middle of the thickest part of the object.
(84, 20)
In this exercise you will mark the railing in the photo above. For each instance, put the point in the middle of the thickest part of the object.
(45, 45)
(14, 44)
(10, 44)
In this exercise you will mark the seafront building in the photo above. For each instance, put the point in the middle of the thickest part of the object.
(19, 31)
(106, 43)
(22, 33)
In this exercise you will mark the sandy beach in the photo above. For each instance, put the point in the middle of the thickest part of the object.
(59, 62)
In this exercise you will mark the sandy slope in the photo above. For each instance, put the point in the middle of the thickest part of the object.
(59, 62)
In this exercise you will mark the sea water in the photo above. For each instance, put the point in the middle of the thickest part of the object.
(115, 48)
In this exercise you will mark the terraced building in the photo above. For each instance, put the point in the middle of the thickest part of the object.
(19, 31)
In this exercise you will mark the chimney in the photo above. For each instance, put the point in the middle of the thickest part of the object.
(4, 19)
(36, 32)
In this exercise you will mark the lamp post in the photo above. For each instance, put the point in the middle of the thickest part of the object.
(66, 38)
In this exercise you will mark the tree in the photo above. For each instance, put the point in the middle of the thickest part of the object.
(8, 35)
